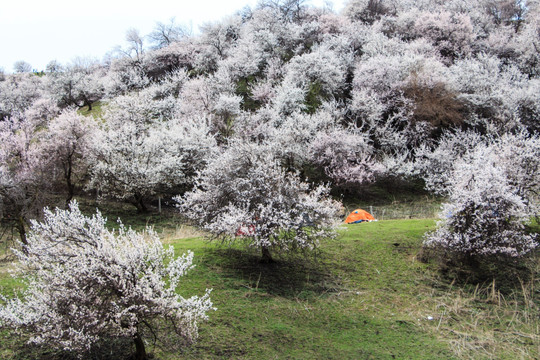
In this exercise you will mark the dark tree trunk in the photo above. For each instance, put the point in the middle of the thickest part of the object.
(472, 262)
(70, 186)
(139, 203)
(71, 191)
(266, 256)
(21, 227)
(140, 350)
(86, 102)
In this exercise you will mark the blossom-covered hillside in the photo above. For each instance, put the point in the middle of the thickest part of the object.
(255, 129)
(384, 88)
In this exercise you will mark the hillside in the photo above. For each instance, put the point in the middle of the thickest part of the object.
(383, 90)
(264, 129)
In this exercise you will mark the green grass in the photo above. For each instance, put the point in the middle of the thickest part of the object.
(364, 295)
(96, 111)
(393, 199)
(305, 308)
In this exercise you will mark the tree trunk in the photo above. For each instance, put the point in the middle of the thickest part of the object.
(71, 191)
(87, 103)
(21, 227)
(69, 184)
(266, 256)
(140, 351)
(472, 262)
(139, 204)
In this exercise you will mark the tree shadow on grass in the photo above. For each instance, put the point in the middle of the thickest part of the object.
(507, 274)
(290, 276)
(110, 349)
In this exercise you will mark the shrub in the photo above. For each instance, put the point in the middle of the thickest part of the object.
(246, 193)
(87, 284)
(485, 214)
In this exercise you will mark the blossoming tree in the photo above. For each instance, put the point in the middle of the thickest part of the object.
(486, 213)
(246, 193)
(87, 283)
(137, 153)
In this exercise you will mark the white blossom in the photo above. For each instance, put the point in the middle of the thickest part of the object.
(138, 152)
(246, 186)
(485, 214)
(86, 283)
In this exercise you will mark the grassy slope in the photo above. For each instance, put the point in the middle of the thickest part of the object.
(364, 296)
(344, 304)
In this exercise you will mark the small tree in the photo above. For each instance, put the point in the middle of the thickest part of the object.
(23, 178)
(450, 33)
(485, 215)
(18, 93)
(135, 44)
(164, 34)
(79, 84)
(21, 66)
(346, 158)
(87, 283)
(367, 11)
(137, 154)
(436, 165)
(246, 193)
(66, 142)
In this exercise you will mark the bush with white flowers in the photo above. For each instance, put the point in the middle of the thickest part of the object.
(87, 283)
(486, 213)
(246, 193)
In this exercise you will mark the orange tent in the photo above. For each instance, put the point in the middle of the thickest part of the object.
(359, 215)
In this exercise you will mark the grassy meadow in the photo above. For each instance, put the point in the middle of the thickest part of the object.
(365, 295)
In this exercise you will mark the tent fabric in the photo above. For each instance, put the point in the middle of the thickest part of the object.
(245, 230)
(358, 216)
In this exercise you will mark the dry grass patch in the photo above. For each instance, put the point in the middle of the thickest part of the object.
(181, 231)
(481, 322)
